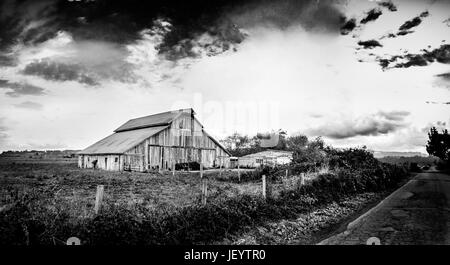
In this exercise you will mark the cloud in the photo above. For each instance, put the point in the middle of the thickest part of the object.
(441, 55)
(445, 76)
(311, 15)
(21, 89)
(369, 44)
(372, 15)
(55, 71)
(29, 105)
(46, 146)
(348, 26)
(389, 5)
(447, 22)
(3, 129)
(405, 28)
(413, 22)
(372, 125)
(435, 102)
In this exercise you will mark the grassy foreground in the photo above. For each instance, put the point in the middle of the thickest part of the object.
(36, 216)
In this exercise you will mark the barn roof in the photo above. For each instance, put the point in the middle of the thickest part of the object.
(120, 142)
(159, 119)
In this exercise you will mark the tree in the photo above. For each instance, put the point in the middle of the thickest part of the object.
(240, 145)
(439, 144)
(295, 142)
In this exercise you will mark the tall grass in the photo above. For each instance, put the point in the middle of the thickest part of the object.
(31, 220)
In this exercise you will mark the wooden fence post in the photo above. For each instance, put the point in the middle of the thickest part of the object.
(239, 171)
(302, 179)
(220, 170)
(98, 198)
(204, 190)
(286, 173)
(264, 186)
(173, 168)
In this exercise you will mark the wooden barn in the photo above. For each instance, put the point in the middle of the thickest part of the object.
(157, 142)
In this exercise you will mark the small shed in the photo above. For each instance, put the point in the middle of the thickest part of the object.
(266, 158)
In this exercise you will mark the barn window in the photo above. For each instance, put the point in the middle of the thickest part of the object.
(116, 159)
(258, 160)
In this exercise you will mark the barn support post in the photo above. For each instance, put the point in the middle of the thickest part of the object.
(98, 198)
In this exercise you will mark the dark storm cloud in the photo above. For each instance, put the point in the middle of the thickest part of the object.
(348, 26)
(372, 15)
(441, 55)
(311, 15)
(406, 27)
(29, 105)
(369, 44)
(21, 89)
(413, 22)
(121, 21)
(373, 125)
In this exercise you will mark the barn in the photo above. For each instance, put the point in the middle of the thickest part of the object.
(162, 141)
(267, 158)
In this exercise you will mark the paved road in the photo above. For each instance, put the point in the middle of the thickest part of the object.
(416, 213)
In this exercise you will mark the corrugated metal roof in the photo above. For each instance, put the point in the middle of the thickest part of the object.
(159, 119)
(120, 142)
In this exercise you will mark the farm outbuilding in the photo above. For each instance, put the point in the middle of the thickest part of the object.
(157, 142)
(266, 158)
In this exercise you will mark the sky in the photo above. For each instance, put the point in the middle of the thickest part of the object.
(356, 73)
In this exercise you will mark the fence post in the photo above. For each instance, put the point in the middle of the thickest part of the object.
(302, 179)
(220, 170)
(98, 198)
(286, 173)
(204, 190)
(239, 171)
(264, 186)
(173, 168)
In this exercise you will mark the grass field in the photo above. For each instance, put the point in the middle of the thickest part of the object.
(65, 183)
(44, 200)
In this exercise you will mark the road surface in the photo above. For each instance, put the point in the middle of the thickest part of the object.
(418, 213)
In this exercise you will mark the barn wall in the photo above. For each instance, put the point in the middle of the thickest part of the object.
(105, 162)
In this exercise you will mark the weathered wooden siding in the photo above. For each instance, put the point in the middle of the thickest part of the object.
(105, 162)
(180, 143)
